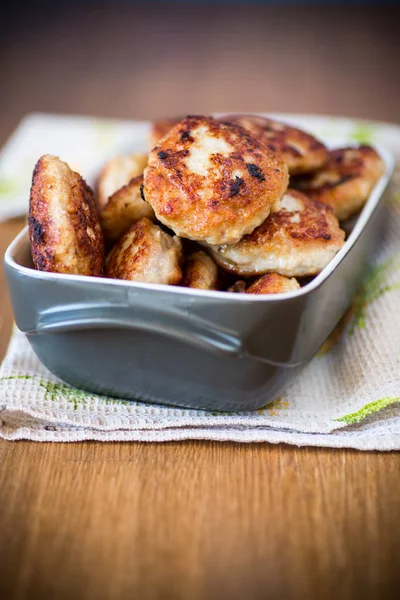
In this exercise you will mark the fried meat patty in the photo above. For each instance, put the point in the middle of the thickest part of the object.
(297, 241)
(160, 128)
(200, 272)
(346, 181)
(212, 182)
(273, 283)
(239, 287)
(117, 172)
(146, 253)
(64, 229)
(301, 151)
(124, 208)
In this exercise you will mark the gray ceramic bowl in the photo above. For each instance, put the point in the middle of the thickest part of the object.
(172, 345)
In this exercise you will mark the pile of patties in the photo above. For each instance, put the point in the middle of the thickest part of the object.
(240, 203)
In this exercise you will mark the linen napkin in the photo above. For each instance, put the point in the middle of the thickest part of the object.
(348, 396)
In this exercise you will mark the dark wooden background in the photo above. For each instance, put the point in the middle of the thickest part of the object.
(146, 60)
(196, 520)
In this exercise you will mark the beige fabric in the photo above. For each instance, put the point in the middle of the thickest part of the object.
(349, 395)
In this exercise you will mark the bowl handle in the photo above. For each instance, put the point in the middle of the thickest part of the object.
(194, 331)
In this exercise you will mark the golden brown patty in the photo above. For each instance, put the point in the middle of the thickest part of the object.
(239, 287)
(64, 226)
(302, 152)
(146, 253)
(124, 208)
(213, 182)
(346, 181)
(117, 172)
(160, 128)
(272, 283)
(299, 240)
(200, 272)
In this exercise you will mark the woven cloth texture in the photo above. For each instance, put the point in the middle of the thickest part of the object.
(348, 396)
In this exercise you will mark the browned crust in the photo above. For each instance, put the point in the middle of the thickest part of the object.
(218, 207)
(317, 224)
(64, 228)
(287, 236)
(200, 272)
(346, 180)
(160, 128)
(124, 208)
(272, 283)
(118, 171)
(146, 253)
(302, 152)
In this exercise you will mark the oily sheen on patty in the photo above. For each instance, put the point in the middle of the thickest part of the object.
(213, 182)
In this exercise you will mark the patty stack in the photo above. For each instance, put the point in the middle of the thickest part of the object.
(240, 203)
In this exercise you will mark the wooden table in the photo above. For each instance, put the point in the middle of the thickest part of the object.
(196, 520)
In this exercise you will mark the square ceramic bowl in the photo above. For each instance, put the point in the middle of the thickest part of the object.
(193, 348)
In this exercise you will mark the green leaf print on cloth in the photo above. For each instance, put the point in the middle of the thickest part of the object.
(368, 409)
(76, 396)
(374, 286)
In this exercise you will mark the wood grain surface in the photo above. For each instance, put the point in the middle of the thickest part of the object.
(196, 520)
